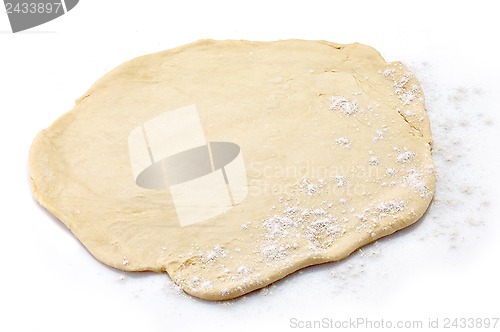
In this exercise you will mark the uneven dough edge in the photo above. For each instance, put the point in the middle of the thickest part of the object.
(42, 188)
(348, 247)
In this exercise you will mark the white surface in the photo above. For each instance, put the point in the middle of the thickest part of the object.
(445, 266)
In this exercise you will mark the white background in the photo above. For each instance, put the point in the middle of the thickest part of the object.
(445, 266)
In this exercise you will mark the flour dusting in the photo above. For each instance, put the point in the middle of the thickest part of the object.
(343, 105)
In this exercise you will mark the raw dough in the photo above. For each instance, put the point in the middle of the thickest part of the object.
(335, 144)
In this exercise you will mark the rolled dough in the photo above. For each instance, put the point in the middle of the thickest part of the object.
(231, 164)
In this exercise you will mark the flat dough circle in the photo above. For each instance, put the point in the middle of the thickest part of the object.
(334, 152)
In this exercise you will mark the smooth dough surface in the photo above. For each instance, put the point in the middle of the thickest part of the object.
(335, 145)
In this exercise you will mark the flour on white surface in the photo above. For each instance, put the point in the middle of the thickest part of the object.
(458, 120)
(456, 218)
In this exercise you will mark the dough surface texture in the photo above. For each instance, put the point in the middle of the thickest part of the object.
(231, 164)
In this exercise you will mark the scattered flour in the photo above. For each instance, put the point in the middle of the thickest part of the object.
(343, 142)
(343, 105)
(340, 180)
(414, 179)
(374, 161)
(405, 157)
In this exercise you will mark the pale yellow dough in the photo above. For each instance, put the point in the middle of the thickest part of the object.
(336, 145)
